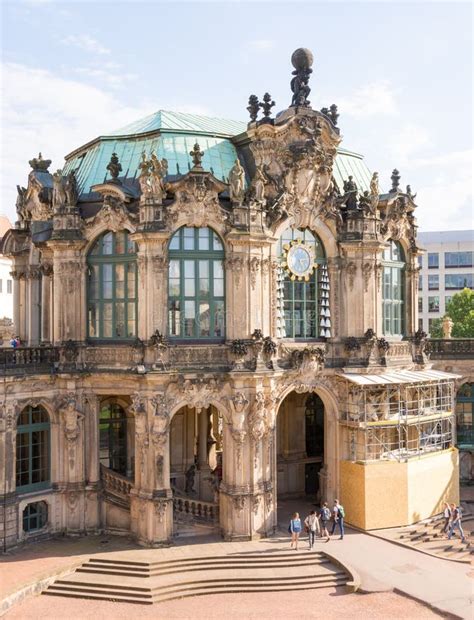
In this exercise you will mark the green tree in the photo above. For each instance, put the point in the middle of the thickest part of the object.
(461, 310)
(436, 329)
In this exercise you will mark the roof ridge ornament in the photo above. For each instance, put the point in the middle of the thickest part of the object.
(197, 156)
(302, 60)
(266, 105)
(395, 181)
(253, 108)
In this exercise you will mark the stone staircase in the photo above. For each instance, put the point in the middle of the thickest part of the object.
(145, 583)
(428, 536)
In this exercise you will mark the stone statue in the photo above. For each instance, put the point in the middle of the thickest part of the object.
(258, 185)
(158, 170)
(447, 327)
(71, 189)
(237, 183)
(190, 475)
(21, 200)
(409, 193)
(144, 177)
(59, 194)
(374, 185)
(350, 193)
(114, 167)
(301, 59)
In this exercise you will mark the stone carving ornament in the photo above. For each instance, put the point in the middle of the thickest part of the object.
(237, 183)
(71, 417)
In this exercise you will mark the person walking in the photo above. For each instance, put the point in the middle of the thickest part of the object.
(295, 529)
(324, 517)
(456, 522)
(338, 517)
(311, 524)
(447, 517)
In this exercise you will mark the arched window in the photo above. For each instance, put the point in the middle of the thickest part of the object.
(113, 437)
(393, 290)
(465, 416)
(33, 450)
(112, 287)
(196, 285)
(303, 286)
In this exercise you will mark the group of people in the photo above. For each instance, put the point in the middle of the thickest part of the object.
(15, 342)
(452, 520)
(317, 524)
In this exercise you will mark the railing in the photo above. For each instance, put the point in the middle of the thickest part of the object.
(40, 358)
(452, 348)
(197, 509)
(116, 487)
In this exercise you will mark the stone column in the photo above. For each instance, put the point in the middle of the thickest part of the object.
(34, 307)
(46, 303)
(8, 498)
(202, 440)
(16, 303)
(151, 498)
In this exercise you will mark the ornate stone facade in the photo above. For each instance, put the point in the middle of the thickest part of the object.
(209, 404)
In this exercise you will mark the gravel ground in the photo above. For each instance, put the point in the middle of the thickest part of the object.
(330, 604)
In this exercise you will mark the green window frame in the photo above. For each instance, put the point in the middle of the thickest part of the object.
(35, 516)
(393, 294)
(196, 285)
(113, 428)
(33, 450)
(112, 288)
(301, 299)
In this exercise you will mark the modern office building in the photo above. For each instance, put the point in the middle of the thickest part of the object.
(6, 281)
(446, 268)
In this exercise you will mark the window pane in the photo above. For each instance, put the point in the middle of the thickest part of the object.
(94, 281)
(131, 271)
(188, 238)
(433, 260)
(120, 281)
(189, 318)
(174, 287)
(203, 234)
(107, 243)
(107, 321)
(120, 243)
(120, 320)
(131, 322)
(174, 268)
(218, 269)
(204, 278)
(174, 243)
(204, 319)
(131, 246)
(107, 281)
(93, 321)
(218, 288)
(174, 317)
(217, 245)
(189, 288)
(219, 319)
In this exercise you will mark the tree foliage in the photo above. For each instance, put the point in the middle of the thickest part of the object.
(461, 311)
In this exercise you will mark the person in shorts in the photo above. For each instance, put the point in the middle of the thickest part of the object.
(295, 529)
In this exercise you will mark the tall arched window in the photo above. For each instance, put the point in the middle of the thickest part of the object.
(112, 287)
(465, 416)
(393, 290)
(196, 285)
(113, 437)
(33, 450)
(303, 300)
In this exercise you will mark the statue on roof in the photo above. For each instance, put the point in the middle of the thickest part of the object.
(158, 171)
(350, 194)
(302, 60)
(257, 187)
(72, 193)
(59, 193)
(237, 183)
(374, 191)
(197, 156)
(253, 107)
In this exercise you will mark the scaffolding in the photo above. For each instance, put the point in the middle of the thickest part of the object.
(397, 416)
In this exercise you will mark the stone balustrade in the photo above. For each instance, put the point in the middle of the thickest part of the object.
(452, 348)
(196, 509)
(13, 361)
(116, 487)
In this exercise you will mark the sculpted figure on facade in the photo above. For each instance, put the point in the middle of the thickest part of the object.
(71, 189)
(196, 200)
(237, 183)
(59, 193)
(238, 404)
(71, 417)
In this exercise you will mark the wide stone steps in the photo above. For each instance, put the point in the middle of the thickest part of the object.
(152, 582)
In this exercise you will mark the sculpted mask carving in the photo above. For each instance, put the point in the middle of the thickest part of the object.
(196, 197)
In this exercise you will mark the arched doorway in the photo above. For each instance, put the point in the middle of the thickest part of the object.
(300, 447)
(196, 444)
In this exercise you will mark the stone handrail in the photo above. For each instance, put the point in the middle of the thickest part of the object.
(196, 508)
(116, 487)
(24, 357)
(452, 348)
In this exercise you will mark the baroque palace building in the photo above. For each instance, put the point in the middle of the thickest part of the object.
(214, 316)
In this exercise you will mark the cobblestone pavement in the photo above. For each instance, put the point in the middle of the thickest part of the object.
(329, 604)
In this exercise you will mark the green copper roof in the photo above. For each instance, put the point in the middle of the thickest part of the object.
(164, 120)
(172, 135)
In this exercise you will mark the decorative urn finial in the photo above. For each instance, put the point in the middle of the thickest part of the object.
(114, 167)
(302, 61)
(197, 156)
(40, 164)
(395, 181)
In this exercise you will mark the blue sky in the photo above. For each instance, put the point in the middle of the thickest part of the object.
(401, 74)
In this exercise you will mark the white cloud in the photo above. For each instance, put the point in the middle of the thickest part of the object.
(374, 99)
(408, 140)
(62, 115)
(110, 76)
(86, 43)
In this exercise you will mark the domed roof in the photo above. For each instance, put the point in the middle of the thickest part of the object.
(172, 135)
